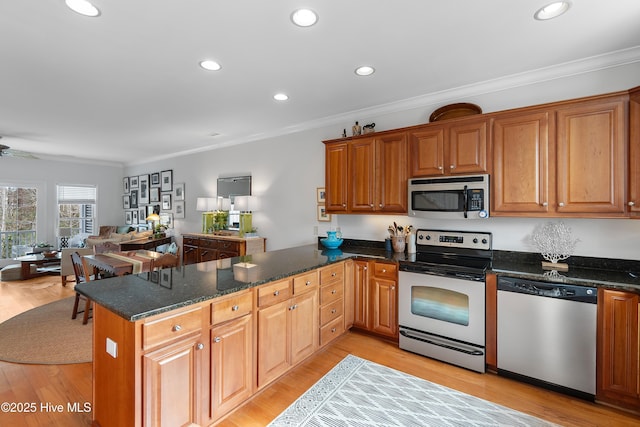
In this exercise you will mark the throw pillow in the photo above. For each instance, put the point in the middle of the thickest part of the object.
(172, 249)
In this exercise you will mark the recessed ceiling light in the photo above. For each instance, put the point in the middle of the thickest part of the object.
(365, 70)
(83, 7)
(552, 10)
(304, 17)
(210, 65)
(280, 97)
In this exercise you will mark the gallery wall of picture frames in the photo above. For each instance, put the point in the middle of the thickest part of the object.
(152, 193)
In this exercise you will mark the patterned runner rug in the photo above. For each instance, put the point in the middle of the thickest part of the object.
(358, 392)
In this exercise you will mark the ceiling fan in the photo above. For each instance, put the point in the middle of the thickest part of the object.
(6, 151)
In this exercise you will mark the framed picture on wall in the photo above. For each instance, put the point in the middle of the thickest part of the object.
(133, 202)
(178, 209)
(320, 195)
(126, 202)
(125, 185)
(166, 180)
(322, 214)
(166, 219)
(134, 216)
(155, 179)
(143, 185)
(127, 218)
(166, 202)
(133, 182)
(178, 191)
(142, 217)
(154, 195)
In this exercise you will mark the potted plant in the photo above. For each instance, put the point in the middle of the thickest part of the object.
(41, 247)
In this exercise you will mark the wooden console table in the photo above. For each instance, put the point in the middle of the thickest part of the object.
(146, 243)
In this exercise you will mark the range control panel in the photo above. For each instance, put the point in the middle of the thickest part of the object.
(454, 239)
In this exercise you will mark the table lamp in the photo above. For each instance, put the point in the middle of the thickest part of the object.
(153, 218)
(246, 205)
(64, 234)
(206, 206)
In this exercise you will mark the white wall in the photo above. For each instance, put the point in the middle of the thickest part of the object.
(286, 171)
(46, 174)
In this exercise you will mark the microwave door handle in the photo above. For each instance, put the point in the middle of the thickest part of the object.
(466, 202)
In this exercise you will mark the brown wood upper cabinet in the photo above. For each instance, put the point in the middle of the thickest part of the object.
(457, 147)
(565, 160)
(634, 152)
(367, 174)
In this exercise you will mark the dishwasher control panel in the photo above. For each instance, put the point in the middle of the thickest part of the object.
(548, 289)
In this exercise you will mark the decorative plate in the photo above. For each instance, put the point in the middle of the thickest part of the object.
(454, 110)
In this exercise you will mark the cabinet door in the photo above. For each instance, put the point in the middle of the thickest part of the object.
(172, 384)
(391, 173)
(427, 152)
(520, 179)
(336, 177)
(467, 152)
(634, 152)
(190, 255)
(362, 164)
(617, 380)
(231, 364)
(273, 342)
(384, 319)
(591, 155)
(361, 294)
(304, 325)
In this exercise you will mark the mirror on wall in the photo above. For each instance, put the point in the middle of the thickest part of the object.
(234, 186)
(230, 187)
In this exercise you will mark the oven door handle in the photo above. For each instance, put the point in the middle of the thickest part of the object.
(466, 202)
(422, 337)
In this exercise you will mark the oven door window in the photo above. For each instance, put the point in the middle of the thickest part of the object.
(438, 201)
(441, 304)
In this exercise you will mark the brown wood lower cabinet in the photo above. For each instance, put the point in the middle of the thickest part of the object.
(202, 247)
(376, 297)
(618, 368)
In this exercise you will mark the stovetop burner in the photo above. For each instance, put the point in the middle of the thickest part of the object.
(461, 254)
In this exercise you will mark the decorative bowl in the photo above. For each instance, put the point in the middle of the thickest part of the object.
(49, 254)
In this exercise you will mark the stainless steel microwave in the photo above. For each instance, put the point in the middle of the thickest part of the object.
(451, 197)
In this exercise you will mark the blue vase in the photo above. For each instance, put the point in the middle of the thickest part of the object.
(332, 241)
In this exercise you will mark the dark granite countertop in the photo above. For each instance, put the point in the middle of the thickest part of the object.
(135, 297)
(586, 271)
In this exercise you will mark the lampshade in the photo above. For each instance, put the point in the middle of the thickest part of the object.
(206, 204)
(64, 232)
(153, 217)
(224, 203)
(246, 203)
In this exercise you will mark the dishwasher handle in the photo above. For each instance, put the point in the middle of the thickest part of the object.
(576, 293)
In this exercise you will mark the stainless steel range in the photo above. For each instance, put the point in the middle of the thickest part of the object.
(441, 297)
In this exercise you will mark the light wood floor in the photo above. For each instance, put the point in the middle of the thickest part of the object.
(61, 384)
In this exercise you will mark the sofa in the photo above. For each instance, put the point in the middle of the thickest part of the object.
(117, 234)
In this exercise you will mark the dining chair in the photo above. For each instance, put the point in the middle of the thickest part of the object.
(166, 260)
(81, 277)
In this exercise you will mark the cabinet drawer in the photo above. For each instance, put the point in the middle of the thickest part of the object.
(332, 273)
(274, 292)
(231, 308)
(330, 293)
(229, 246)
(170, 327)
(381, 269)
(331, 311)
(208, 243)
(331, 330)
(305, 282)
(191, 241)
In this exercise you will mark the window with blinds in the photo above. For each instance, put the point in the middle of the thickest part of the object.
(76, 209)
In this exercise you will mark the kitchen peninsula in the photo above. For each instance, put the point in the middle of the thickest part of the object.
(191, 344)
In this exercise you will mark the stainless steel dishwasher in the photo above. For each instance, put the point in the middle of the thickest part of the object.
(547, 335)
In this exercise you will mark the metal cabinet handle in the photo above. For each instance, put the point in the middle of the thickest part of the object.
(393, 288)
(631, 203)
(384, 270)
(177, 328)
(334, 274)
(199, 346)
(334, 311)
(545, 204)
(276, 293)
(452, 166)
(333, 291)
(235, 308)
(308, 283)
(439, 167)
(293, 307)
(333, 330)
(217, 339)
(380, 205)
(371, 205)
(561, 204)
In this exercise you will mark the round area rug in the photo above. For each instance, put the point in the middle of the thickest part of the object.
(47, 335)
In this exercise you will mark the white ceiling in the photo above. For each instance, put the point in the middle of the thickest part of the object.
(127, 84)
